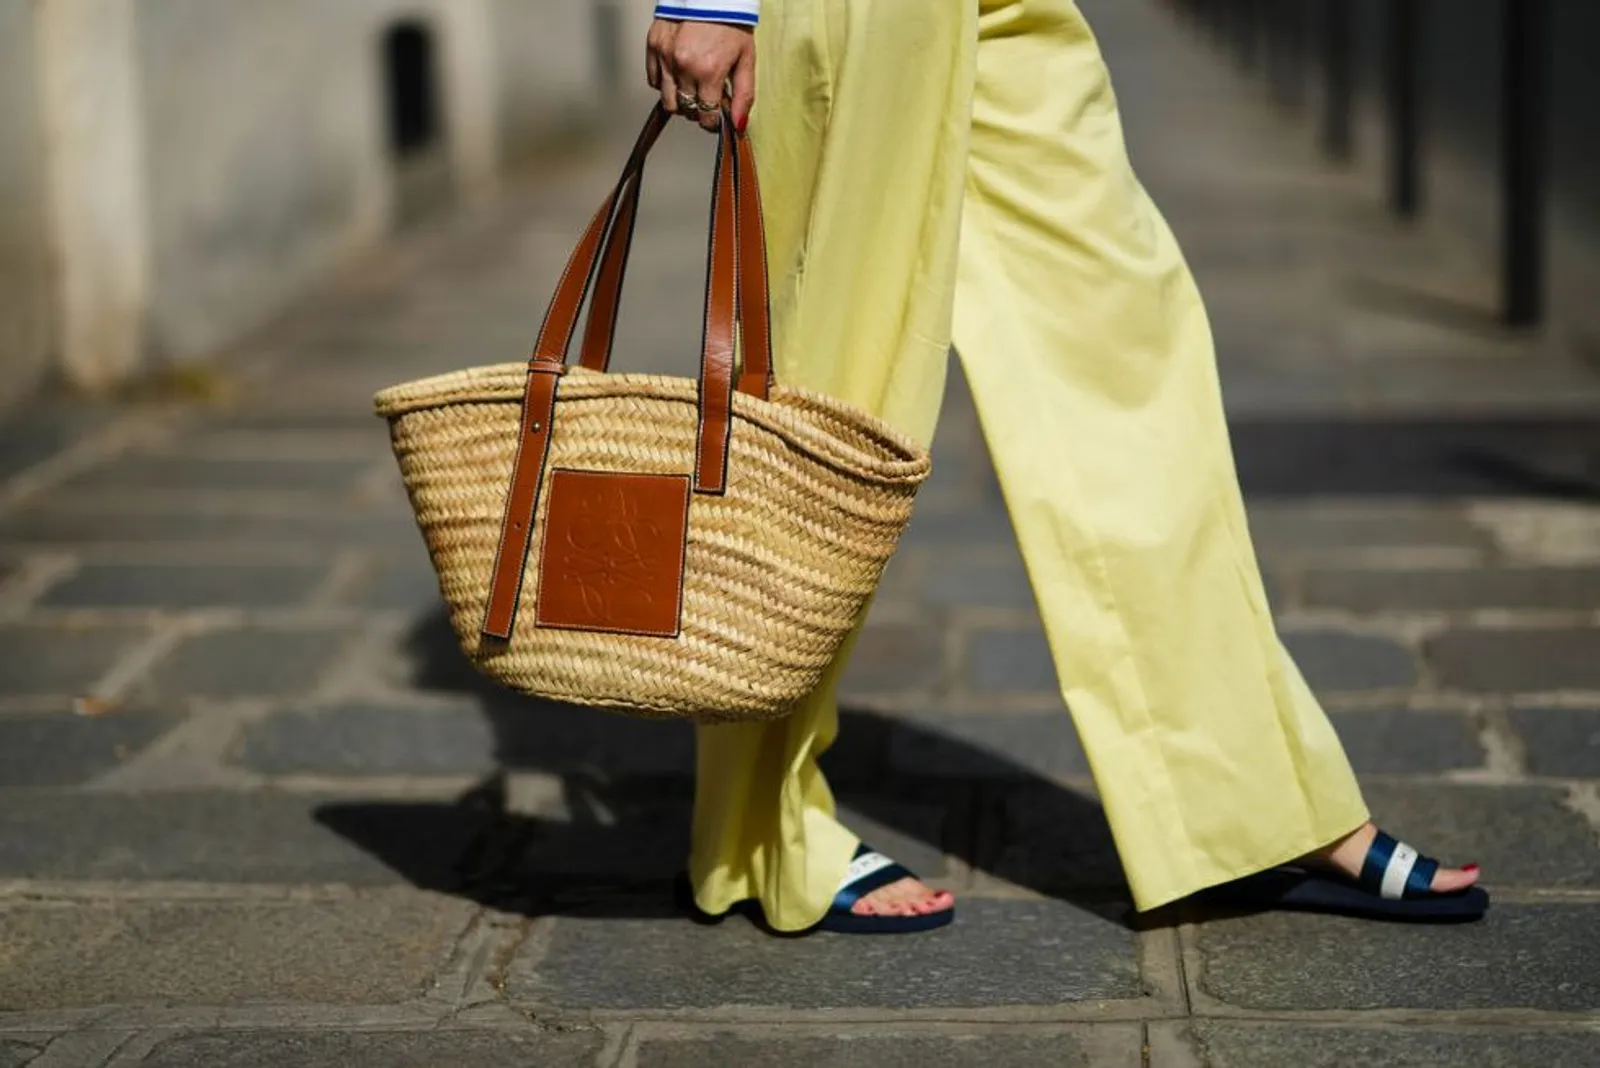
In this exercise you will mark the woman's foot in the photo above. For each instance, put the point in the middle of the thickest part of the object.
(1347, 856)
(908, 897)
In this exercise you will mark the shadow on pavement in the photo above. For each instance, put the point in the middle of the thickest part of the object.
(615, 841)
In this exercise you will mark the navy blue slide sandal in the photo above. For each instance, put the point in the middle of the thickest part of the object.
(869, 870)
(1393, 885)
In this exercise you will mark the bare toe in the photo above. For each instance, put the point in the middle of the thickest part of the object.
(1451, 880)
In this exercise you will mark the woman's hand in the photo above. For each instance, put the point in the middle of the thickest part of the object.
(697, 61)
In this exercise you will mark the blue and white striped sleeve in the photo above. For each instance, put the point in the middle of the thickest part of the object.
(737, 12)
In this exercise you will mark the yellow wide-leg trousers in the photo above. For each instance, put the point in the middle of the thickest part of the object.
(938, 172)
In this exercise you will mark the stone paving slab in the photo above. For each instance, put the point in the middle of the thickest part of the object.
(63, 659)
(1452, 589)
(403, 583)
(33, 433)
(17, 1052)
(1279, 529)
(967, 583)
(229, 837)
(1521, 835)
(1052, 838)
(1010, 661)
(247, 662)
(562, 739)
(1401, 742)
(1518, 957)
(65, 749)
(896, 658)
(408, 1049)
(673, 965)
(401, 737)
(180, 586)
(1534, 660)
(1108, 1047)
(1336, 661)
(368, 739)
(377, 948)
(1227, 1045)
(1560, 741)
(988, 745)
(201, 524)
(188, 474)
(1415, 454)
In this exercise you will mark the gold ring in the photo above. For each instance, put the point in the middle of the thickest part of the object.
(687, 102)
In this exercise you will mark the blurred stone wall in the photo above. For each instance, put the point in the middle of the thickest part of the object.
(26, 269)
(172, 172)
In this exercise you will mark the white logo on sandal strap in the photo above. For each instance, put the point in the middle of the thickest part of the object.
(863, 866)
(1398, 871)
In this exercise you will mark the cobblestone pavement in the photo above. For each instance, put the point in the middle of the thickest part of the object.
(282, 824)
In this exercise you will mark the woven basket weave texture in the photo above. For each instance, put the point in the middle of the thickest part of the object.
(777, 569)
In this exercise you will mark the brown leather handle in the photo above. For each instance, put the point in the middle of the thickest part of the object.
(754, 302)
(548, 361)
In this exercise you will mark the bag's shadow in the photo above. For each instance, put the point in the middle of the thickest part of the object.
(604, 824)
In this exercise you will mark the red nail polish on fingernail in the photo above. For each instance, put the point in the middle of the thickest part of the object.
(744, 120)
(1470, 867)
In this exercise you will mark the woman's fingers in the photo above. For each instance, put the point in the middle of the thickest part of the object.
(659, 63)
(698, 67)
(744, 88)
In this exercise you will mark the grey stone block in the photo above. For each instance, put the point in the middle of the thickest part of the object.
(1277, 529)
(407, 584)
(1336, 661)
(247, 663)
(953, 579)
(406, 1049)
(1010, 661)
(379, 948)
(996, 953)
(601, 837)
(63, 749)
(186, 586)
(63, 661)
(1521, 835)
(1452, 589)
(896, 658)
(236, 475)
(1408, 1046)
(1508, 661)
(1560, 741)
(369, 740)
(565, 739)
(882, 1051)
(1518, 957)
(232, 838)
(1050, 838)
(1399, 742)
(992, 745)
(989, 527)
(60, 525)
(45, 426)
(16, 1054)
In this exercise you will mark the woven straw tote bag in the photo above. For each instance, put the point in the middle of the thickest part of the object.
(657, 545)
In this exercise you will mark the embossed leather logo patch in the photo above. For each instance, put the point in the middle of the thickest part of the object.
(613, 551)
